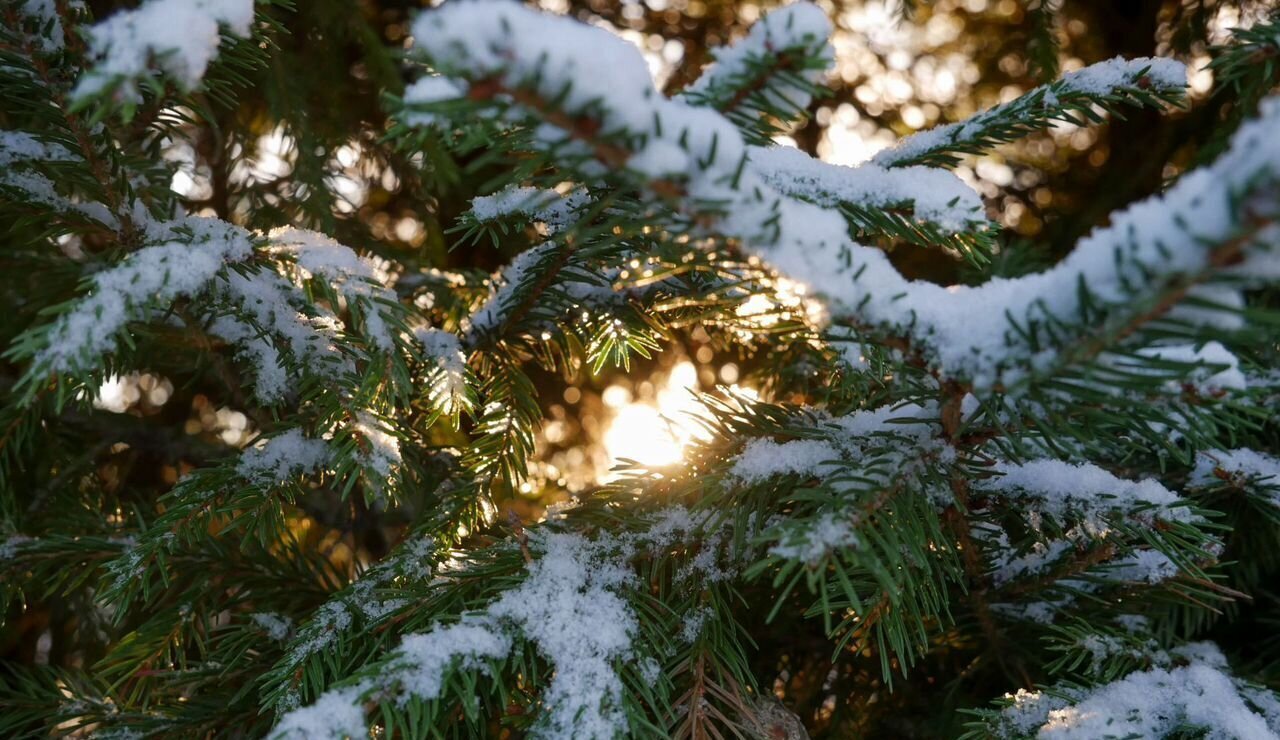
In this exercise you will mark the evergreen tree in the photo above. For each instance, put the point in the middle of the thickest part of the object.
(1032, 504)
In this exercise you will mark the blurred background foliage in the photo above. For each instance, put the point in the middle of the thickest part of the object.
(299, 139)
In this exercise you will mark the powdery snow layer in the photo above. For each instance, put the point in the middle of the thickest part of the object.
(540, 204)
(932, 194)
(762, 458)
(265, 308)
(19, 152)
(801, 28)
(45, 14)
(1217, 369)
(964, 330)
(447, 376)
(154, 274)
(425, 91)
(1057, 487)
(1146, 246)
(1103, 78)
(181, 36)
(904, 429)
(355, 277)
(1240, 464)
(504, 293)
(380, 450)
(1148, 704)
(570, 607)
(335, 715)
(283, 456)
(20, 146)
(830, 532)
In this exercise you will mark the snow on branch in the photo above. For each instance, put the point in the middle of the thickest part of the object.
(966, 331)
(48, 21)
(22, 152)
(191, 253)
(571, 604)
(447, 376)
(770, 73)
(907, 431)
(264, 307)
(1159, 702)
(568, 605)
(930, 194)
(19, 146)
(537, 204)
(282, 457)
(180, 36)
(353, 276)
(1109, 84)
(509, 288)
(360, 604)
(1060, 488)
(1242, 468)
(998, 332)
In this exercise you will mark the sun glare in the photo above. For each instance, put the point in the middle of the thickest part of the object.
(655, 431)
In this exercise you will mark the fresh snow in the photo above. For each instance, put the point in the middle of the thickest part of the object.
(1103, 78)
(156, 274)
(829, 532)
(932, 194)
(412, 561)
(45, 14)
(265, 306)
(801, 28)
(381, 449)
(19, 151)
(180, 36)
(18, 147)
(1218, 369)
(964, 330)
(1242, 467)
(336, 715)
(282, 457)
(355, 277)
(570, 606)
(277, 626)
(425, 91)
(1059, 488)
(1147, 704)
(447, 376)
(762, 458)
(1240, 464)
(1150, 242)
(503, 292)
